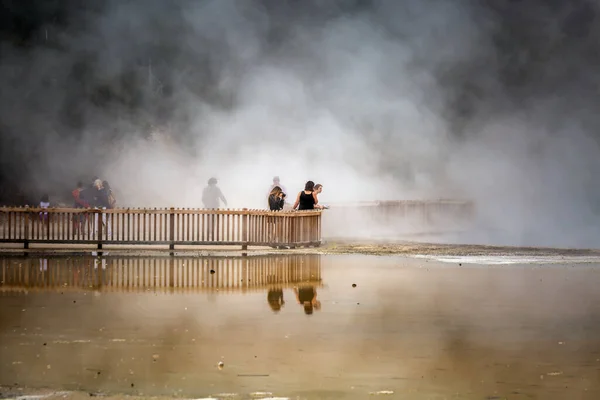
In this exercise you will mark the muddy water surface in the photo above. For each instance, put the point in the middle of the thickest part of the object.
(301, 326)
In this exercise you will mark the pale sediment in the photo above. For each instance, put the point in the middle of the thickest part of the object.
(341, 246)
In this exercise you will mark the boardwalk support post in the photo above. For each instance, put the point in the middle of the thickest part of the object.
(245, 230)
(172, 231)
(99, 225)
(26, 232)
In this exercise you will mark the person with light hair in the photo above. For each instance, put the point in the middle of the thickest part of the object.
(100, 201)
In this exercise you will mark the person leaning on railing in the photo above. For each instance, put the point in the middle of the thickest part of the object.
(308, 198)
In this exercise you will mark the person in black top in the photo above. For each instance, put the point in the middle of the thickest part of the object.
(307, 199)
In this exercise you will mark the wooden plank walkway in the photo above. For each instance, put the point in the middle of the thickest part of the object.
(169, 226)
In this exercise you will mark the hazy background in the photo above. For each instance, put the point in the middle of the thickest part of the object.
(374, 99)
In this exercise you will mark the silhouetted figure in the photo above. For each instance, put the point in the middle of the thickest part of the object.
(108, 196)
(100, 200)
(212, 195)
(78, 194)
(79, 201)
(307, 298)
(100, 195)
(275, 299)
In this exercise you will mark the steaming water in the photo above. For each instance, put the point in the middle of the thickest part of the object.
(409, 328)
(511, 260)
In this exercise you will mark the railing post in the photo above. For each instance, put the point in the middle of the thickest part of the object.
(320, 227)
(98, 224)
(172, 230)
(292, 243)
(245, 229)
(48, 222)
(26, 230)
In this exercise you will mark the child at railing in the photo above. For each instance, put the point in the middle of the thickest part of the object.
(44, 203)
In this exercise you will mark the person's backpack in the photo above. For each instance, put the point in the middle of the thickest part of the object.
(111, 199)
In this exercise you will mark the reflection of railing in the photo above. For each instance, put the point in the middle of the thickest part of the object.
(160, 226)
(159, 273)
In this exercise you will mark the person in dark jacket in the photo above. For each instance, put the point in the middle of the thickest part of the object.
(276, 202)
(276, 199)
(101, 195)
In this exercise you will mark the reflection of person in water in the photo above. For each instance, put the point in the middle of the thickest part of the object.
(275, 299)
(307, 297)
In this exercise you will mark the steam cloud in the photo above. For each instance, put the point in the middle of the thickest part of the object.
(374, 99)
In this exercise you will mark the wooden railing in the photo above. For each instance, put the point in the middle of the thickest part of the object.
(179, 274)
(160, 226)
(396, 217)
(424, 210)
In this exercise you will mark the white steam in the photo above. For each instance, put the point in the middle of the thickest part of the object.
(359, 99)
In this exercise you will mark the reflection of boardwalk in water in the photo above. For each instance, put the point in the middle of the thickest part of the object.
(156, 273)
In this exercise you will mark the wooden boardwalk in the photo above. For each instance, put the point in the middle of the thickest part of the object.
(162, 274)
(170, 227)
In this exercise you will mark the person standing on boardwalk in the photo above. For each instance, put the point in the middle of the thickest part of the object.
(277, 182)
(210, 198)
(109, 203)
(307, 199)
(276, 202)
(212, 195)
(79, 201)
(100, 202)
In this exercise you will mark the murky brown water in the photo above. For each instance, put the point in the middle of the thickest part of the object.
(295, 327)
